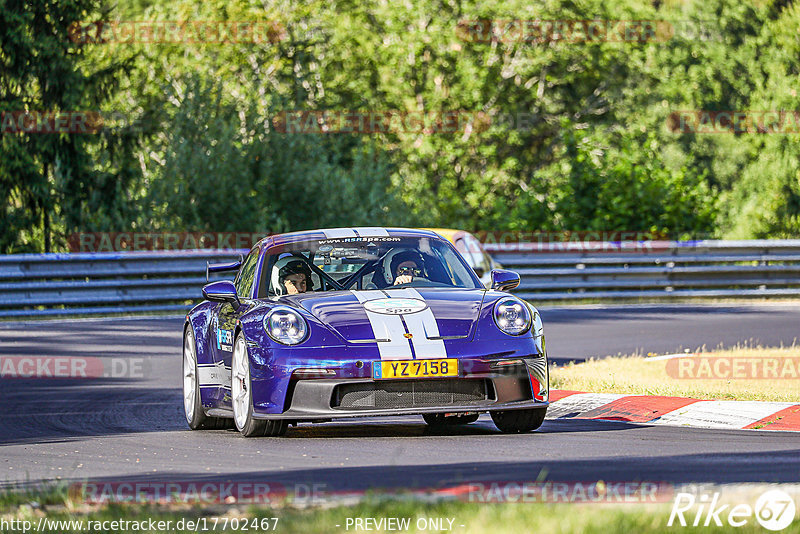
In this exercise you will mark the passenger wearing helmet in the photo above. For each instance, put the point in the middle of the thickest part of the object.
(295, 277)
(406, 265)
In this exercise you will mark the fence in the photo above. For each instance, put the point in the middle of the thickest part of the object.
(40, 285)
(653, 269)
(84, 283)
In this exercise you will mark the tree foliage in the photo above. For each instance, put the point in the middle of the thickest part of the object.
(568, 135)
(55, 183)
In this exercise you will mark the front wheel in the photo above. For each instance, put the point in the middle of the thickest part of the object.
(519, 421)
(242, 397)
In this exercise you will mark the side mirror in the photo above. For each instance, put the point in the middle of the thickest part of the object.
(503, 280)
(222, 291)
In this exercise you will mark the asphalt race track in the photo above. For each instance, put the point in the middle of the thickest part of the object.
(132, 429)
(574, 334)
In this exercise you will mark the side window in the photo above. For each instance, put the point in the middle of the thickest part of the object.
(455, 270)
(247, 272)
(461, 247)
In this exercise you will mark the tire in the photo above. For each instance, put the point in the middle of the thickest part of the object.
(519, 421)
(242, 397)
(192, 408)
(440, 419)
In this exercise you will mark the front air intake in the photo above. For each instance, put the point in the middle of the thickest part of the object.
(411, 394)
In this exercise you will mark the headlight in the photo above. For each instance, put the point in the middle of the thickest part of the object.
(286, 326)
(512, 316)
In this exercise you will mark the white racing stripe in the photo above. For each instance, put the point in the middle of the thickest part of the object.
(335, 233)
(213, 375)
(422, 326)
(388, 329)
(371, 231)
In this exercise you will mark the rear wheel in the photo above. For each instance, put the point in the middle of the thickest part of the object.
(192, 407)
(242, 397)
(519, 421)
(440, 419)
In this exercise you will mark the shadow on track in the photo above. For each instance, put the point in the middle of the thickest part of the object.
(774, 467)
(42, 411)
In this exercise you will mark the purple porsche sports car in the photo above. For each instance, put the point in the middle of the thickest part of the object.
(355, 322)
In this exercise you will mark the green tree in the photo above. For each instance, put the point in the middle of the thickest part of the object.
(567, 136)
(51, 182)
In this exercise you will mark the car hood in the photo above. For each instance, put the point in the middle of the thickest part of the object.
(449, 313)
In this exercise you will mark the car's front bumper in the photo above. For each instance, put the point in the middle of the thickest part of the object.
(517, 387)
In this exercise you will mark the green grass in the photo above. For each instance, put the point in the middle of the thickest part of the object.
(636, 375)
(56, 504)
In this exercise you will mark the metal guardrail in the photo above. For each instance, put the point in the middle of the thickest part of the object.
(94, 283)
(38, 285)
(562, 271)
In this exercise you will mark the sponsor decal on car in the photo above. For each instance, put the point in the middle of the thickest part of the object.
(395, 306)
(401, 323)
(225, 340)
(214, 375)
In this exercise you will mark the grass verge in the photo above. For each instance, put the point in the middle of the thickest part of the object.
(759, 374)
(449, 516)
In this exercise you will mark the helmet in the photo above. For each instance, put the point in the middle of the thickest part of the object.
(284, 267)
(403, 256)
(294, 267)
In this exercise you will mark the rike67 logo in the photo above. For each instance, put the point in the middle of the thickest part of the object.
(774, 510)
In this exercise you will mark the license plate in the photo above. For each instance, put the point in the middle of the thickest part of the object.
(415, 369)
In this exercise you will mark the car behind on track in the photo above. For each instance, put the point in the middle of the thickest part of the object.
(472, 251)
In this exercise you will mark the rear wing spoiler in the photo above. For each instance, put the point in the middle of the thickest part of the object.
(223, 267)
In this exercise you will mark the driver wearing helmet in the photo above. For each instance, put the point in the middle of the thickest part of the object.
(295, 277)
(407, 265)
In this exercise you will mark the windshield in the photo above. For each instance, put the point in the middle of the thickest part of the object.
(363, 264)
